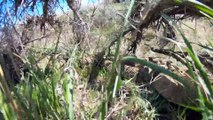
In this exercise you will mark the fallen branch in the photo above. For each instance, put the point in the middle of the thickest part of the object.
(206, 60)
(33, 40)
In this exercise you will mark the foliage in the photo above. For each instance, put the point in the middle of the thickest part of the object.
(53, 76)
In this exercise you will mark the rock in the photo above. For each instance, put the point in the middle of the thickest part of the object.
(174, 91)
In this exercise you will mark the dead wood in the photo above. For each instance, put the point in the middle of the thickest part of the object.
(147, 13)
(206, 60)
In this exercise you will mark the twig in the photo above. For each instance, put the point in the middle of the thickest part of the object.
(177, 55)
(44, 36)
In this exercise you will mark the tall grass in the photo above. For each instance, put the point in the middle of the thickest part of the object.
(114, 82)
(205, 106)
(37, 94)
(205, 102)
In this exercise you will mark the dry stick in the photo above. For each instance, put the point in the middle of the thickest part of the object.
(179, 56)
(151, 13)
(203, 46)
(72, 6)
(33, 40)
(10, 52)
(55, 50)
(14, 28)
(116, 108)
(64, 11)
(93, 11)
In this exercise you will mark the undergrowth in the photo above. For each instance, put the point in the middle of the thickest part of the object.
(54, 88)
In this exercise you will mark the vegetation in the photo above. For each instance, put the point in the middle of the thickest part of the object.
(134, 60)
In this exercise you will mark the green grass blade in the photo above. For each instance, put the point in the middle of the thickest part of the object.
(103, 110)
(194, 56)
(69, 97)
(154, 67)
(205, 10)
(202, 7)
